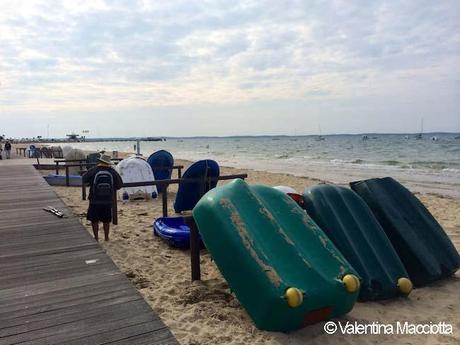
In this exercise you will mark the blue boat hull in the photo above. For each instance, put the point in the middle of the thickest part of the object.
(162, 163)
(173, 230)
(189, 194)
(60, 180)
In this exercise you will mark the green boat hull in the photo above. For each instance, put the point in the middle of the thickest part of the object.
(263, 244)
(349, 223)
(424, 248)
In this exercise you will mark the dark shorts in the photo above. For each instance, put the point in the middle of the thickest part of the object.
(99, 213)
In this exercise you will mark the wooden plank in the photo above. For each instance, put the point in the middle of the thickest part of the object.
(139, 334)
(49, 251)
(61, 296)
(58, 269)
(47, 237)
(37, 248)
(101, 320)
(43, 266)
(19, 314)
(56, 274)
(57, 285)
(24, 320)
(22, 263)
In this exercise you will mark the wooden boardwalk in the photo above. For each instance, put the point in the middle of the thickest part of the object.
(57, 286)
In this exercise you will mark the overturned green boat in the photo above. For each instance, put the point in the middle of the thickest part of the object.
(350, 225)
(424, 248)
(278, 262)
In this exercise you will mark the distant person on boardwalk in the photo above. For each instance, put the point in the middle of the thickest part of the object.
(7, 150)
(103, 181)
(1, 150)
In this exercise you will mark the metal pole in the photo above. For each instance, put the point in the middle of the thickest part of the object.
(164, 198)
(194, 248)
(67, 178)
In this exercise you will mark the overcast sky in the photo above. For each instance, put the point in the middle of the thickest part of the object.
(178, 68)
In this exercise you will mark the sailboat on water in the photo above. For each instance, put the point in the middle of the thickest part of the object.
(320, 136)
(419, 135)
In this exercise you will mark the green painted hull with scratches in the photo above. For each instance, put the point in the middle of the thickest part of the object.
(264, 243)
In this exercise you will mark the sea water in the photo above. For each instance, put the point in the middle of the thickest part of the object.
(424, 165)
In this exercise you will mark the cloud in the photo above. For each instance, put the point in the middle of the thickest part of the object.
(102, 55)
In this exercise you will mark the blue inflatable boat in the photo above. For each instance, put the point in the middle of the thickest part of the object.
(162, 163)
(189, 194)
(173, 230)
(60, 180)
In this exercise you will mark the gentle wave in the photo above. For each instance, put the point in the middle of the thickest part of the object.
(282, 156)
(336, 158)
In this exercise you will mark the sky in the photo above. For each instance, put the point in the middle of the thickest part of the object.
(187, 68)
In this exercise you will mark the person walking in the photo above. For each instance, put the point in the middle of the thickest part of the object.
(7, 150)
(104, 181)
(1, 149)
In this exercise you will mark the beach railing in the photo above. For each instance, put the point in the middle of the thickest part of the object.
(82, 171)
(21, 151)
(40, 152)
(81, 162)
(174, 167)
(166, 183)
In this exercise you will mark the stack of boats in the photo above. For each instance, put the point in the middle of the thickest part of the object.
(292, 263)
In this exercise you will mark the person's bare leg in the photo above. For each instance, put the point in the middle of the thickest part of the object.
(95, 226)
(106, 230)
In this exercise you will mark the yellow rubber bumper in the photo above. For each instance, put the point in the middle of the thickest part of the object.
(405, 285)
(294, 297)
(351, 283)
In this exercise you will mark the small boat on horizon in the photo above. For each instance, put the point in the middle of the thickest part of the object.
(320, 136)
(419, 136)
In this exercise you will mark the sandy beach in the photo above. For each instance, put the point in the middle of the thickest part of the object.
(207, 313)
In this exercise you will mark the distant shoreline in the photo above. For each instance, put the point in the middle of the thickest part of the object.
(164, 138)
(427, 166)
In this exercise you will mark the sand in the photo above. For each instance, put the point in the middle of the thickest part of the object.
(207, 313)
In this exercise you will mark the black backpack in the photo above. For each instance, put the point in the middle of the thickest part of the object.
(102, 192)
